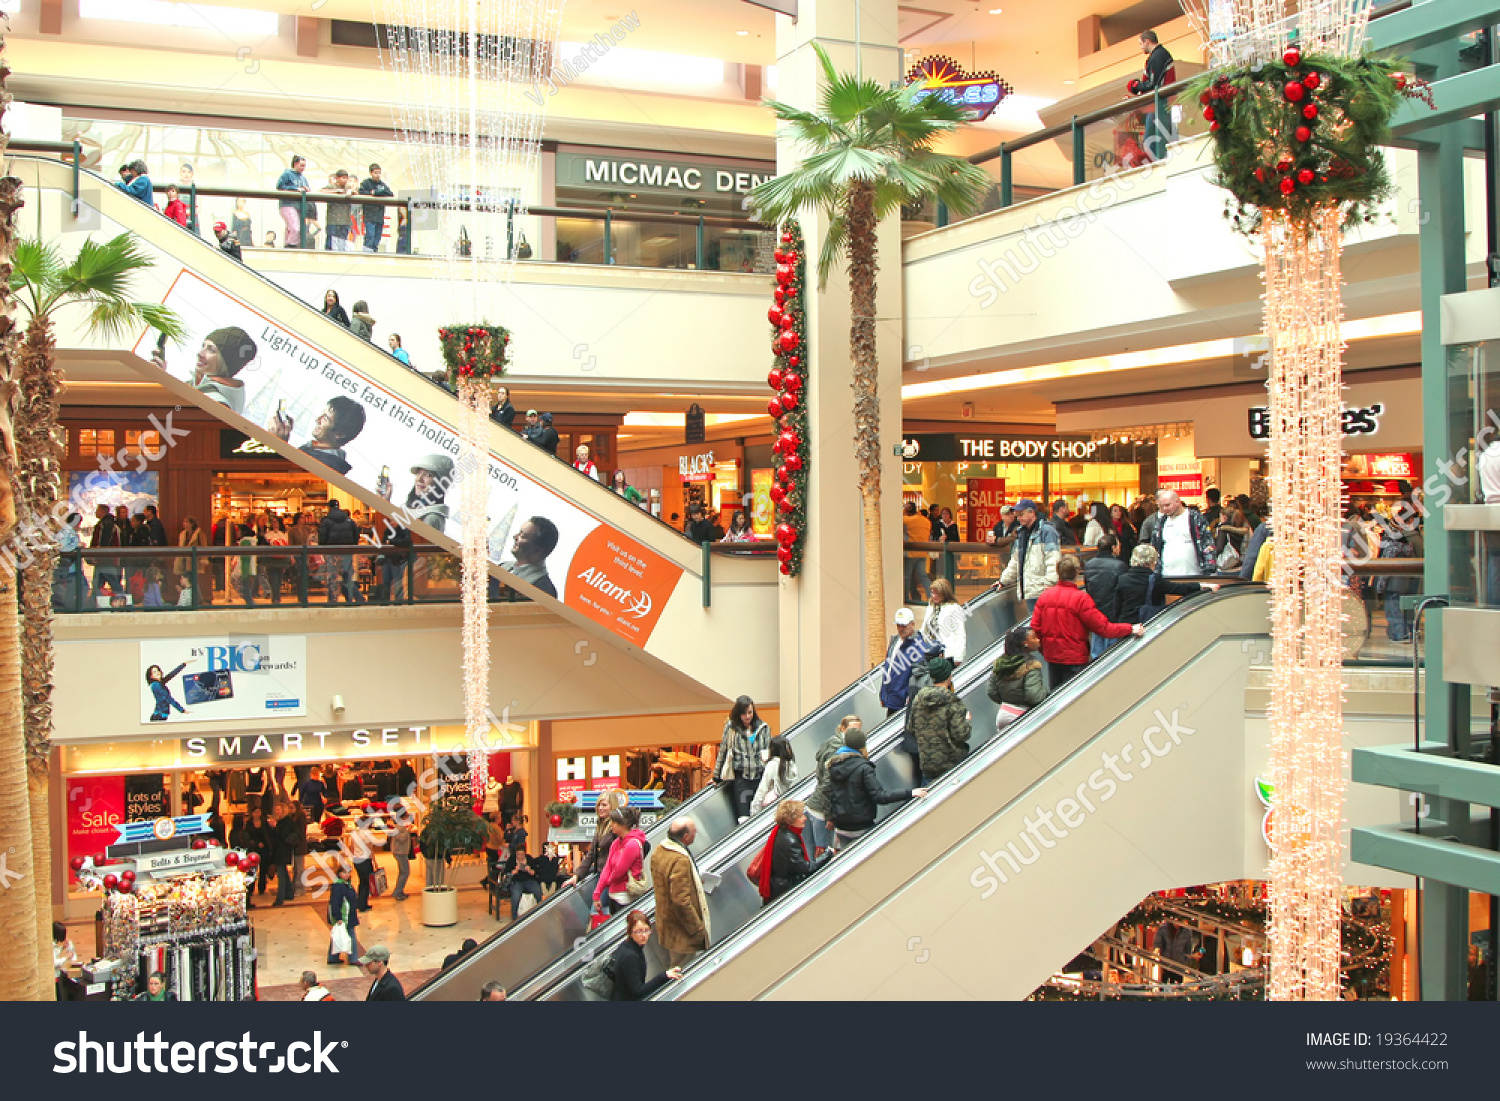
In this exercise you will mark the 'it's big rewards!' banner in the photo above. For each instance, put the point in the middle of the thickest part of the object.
(240, 358)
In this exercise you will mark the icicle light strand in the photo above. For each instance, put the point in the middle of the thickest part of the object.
(475, 397)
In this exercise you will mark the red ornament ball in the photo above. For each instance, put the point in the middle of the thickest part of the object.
(788, 340)
(789, 400)
(1208, 114)
(773, 407)
(786, 238)
(76, 863)
(127, 876)
(1295, 92)
(794, 462)
(1310, 112)
(780, 295)
(555, 819)
(1306, 176)
(111, 881)
(232, 859)
(783, 274)
(787, 321)
(1293, 56)
(783, 554)
(780, 256)
(792, 381)
(1400, 79)
(790, 441)
(786, 569)
(1303, 133)
(127, 886)
(773, 315)
(199, 843)
(776, 493)
(1213, 126)
(1260, 174)
(1284, 165)
(786, 535)
(1311, 81)
(1204, 98)
(794, 361)
(249, 860)
(1287, 186)
(791, 290)
(773, 380)
(788, 505)
(783, 475)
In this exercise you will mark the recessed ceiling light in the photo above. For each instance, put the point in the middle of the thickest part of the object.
(996, 11)
(742, 34)
(1069, 82)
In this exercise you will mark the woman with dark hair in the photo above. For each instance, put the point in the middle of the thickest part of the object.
(604, 837)
(1099, 523)
(162, 693)
(779, 775)
(746, 738)
(944, 530)
(1125, 531)
(739, 529)
(332, 309)
(631, 984)
(1016, 680)
(784, 862)
(623, 487)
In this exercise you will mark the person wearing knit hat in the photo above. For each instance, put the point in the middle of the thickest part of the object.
(224, 354)
(855, 792)
(431, 477)
(939, 722)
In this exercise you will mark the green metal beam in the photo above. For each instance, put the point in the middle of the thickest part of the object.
(1431, 22)
(1400, 850)
(1431, 773)
(1457, 97)
(1471, 129)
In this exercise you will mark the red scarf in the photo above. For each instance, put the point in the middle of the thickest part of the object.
(767, 855)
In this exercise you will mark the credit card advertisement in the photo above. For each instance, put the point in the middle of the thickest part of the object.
(224, 679)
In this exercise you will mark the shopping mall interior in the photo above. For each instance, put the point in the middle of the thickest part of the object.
(718, 477)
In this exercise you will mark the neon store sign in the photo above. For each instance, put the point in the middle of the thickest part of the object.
(977, 93)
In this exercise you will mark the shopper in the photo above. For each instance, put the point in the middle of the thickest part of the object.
(283, 846)
(779, 774)
(504, 413)
(583, 464)
(784, 861)
(945, 627)
(739, 528)
(176, 209)
(818, 805)
(604, 838)
(312, 794)
(1124, 531)
(343, 909)
(1141, 587)
(1005, 527)
(469, 945)
(292, 179)
(313, 990)
(1098, 524)
(156, 989)
(403, 842)
(631, 984)
(1033, 556)
(1064, 616)
(492, 992)
(855, 791)
(374, 213)
(1184, 548)
(64, 955)
(361, 324)
(940, 723)
(386, 987)
(683, 926)
(106, 570)
(258, 837)
(746, 736)
(336, 221)
(1101, 576)
(136, 182)
(338, 529)
(1016, 683)
(332, 310)
(622, 879)
(907, 651)
(1156, 129)
(549, 439)
(1061, 523)
(917, 530)
(943, 527)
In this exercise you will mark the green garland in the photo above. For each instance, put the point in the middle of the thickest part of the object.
(1304, 133)
(789, 407)
(475, 351)
(568, 812)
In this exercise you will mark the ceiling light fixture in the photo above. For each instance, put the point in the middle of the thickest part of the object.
(742, 34)
(996, 11)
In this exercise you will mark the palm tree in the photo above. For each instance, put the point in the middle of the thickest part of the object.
(98, 279)
(869, 154)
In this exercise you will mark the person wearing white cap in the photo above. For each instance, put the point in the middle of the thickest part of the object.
(906, 651)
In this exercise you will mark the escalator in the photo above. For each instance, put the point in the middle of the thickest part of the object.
(551, 939)
(914, 910)
(305, 387)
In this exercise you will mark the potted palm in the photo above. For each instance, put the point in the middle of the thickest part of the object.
(451, 827)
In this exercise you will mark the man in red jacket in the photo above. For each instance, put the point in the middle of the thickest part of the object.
(1064, 616)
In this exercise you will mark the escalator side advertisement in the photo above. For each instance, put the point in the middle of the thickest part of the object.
(345, 420)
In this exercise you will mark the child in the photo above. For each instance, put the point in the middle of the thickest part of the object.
(152, 597)
(176, 209)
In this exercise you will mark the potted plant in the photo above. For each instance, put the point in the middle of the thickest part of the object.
(451, 827)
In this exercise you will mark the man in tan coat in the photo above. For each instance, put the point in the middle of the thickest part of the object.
(682, 918)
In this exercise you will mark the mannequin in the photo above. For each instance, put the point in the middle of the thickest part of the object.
(512, 799)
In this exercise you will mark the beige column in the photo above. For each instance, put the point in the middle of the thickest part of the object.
(823, 640)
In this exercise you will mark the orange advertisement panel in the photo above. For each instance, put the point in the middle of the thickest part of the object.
(762, 520)
(621, 584)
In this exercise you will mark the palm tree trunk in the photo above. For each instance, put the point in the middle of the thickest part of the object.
(40, 460)
(863, 268)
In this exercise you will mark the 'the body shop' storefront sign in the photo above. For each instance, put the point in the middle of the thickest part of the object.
(998, 449)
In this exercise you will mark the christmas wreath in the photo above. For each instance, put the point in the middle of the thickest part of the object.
(789, 407)
(1304, 133)
(475, 351)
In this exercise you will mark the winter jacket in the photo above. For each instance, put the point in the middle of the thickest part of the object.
(139, 188)
(1203, 542)
(294, 181)
(944, 625)
(1252, 552)
(338, 529)
(362, 325)
(818, 804)
(1131, 591)
(779, 775)
(916, 529)
(177, 210)
(597, 857)
(856, 791)
(631, 984)
(1101, 574)
(1093, 533)
(1033, 561)
(940, 723)
(342, 900)
(1006, 686)
(625, 860)
(1066, 536)
(740, 750)
(1064, 616)
(682, 918)
(789, 862)
(901, 656)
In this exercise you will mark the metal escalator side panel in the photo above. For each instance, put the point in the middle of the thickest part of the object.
(842, 913)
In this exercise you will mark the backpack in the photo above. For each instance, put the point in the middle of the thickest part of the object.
(598, 977)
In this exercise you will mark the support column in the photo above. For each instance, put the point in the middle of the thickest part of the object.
(823, 645)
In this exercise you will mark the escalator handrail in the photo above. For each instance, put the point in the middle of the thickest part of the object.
(992, 750)
(657, 833)
(416, 374)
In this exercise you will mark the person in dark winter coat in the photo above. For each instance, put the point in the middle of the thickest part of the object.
(631, 984)
(940, 723)
(784, 862)
(856, 792)
(1016, 681)
(1101, 574)
(343, 908)
(1063, 618)
(1132, 587)
(906, 651)
(819, 806)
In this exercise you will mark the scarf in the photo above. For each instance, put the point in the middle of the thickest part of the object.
(1119, 526)
(767, 856)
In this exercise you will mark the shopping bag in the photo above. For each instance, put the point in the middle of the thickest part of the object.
(379, 886)
(596, 920)
(527, 902)
(340, 943)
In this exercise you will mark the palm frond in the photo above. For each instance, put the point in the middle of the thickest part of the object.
(806, 127)
(163, 319)
(834, 241)
(104, 269)
(36, 272)
(782, 197)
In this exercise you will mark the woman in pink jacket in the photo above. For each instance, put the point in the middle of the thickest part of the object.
(626, 862)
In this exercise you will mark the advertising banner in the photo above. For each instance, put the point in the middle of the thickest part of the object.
(985, 496)
(762, 514)
(146, 797)
(1183, 475)
(224, 679)
(96, 805)
(356, 427)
